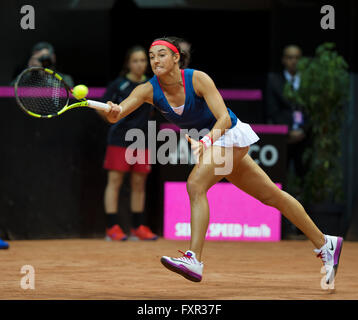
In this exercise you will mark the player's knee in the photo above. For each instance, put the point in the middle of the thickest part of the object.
(138, 186)
(115, 181)
(138, 182)
(194, 188)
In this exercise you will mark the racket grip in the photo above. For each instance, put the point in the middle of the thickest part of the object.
(98, 105)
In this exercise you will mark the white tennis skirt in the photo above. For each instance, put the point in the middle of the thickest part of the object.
(241, 135)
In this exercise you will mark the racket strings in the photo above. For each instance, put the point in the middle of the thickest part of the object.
(41, 92)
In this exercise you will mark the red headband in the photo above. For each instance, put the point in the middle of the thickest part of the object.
(165, 43)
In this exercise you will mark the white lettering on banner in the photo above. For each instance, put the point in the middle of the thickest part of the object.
(265, 159)
(264, 153)
(182, 229)
(262, 231)
(226, 230)
(254, 148)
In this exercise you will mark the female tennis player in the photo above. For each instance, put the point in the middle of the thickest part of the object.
(132, 75)
(190, 99)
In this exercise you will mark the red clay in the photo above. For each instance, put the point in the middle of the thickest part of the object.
(96, 269)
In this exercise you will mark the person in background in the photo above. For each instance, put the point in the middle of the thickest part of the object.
(185, 46)
(43, 55)
(116, 162)
(279, 110)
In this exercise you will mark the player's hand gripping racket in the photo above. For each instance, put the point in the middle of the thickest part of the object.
(42, 93)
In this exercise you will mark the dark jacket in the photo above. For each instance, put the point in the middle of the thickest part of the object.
(279, 110)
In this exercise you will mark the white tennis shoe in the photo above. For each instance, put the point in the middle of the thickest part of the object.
(330, 254)
(187, 265)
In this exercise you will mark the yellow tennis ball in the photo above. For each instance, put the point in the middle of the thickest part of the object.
(80, 91)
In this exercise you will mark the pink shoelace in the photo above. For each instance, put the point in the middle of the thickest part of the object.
(323, 255)
(186, 257)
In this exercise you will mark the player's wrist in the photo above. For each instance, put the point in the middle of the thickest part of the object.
(207, 141)
(203, 144)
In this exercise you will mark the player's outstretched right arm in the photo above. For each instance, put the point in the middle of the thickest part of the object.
(141, 94)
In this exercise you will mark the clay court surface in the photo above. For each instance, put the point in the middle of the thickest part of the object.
(95, 269)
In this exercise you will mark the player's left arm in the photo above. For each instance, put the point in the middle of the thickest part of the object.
(205, 87)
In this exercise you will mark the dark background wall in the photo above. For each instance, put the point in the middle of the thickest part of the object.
(81, 38)
(237, 47)
(52, 181)
(51, 171)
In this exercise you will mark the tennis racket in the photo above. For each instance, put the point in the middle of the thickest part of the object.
(42, 93)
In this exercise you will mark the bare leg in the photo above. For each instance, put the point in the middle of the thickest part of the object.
(250, 178)
(138, 183)
(114, 183)
(201, 179)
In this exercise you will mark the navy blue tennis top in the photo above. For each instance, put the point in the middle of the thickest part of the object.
(117, 91)
(196, 114)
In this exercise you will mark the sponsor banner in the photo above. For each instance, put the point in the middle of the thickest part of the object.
(269, 153)
(234, 215)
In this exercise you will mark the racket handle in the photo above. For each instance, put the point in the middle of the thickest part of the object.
(98, 105)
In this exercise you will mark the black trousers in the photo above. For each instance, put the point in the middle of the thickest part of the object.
(295, 154)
